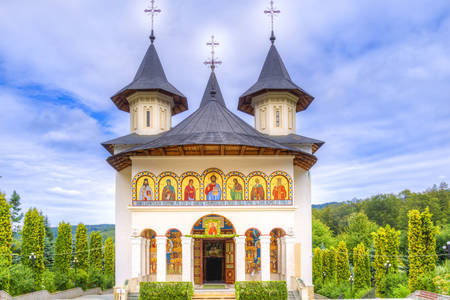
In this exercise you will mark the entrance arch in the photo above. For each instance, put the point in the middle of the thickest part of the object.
(148, 266)
(214, 249)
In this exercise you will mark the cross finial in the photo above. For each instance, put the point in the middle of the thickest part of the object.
(213, 61)
(153, 11)
(272, 12)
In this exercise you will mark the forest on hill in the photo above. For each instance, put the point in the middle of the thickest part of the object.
(105, 230)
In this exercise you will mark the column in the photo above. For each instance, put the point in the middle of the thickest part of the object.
(290, 260)
(161, 267)
(135, 257)
(186, 248)
(265, 257)
(142, 258)
(240, 258)
(283, 258)
(147, 258)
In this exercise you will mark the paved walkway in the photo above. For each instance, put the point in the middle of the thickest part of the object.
(96, 297)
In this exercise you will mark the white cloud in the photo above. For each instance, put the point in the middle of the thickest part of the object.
(63, 192)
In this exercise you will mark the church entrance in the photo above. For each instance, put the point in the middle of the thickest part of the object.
(213, 261)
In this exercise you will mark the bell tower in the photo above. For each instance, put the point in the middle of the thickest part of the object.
(150, 98)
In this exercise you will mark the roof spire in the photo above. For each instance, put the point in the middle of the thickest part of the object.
(213, 61)
(153, 11)
(272, 12)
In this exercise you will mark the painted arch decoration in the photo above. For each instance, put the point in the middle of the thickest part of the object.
(212, 187)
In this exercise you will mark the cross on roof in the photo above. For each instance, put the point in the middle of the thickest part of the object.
(153, 11)
(213, 61)
(272, 12)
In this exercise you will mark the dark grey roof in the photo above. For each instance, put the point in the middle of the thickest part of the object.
(129, 139)
(212, 85)
(292, 139)
(150, 76)
(212, 123)
(273, 76)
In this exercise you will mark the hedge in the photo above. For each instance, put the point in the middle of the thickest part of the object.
(261, 290)
(166, 291)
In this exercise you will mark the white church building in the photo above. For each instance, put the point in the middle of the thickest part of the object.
(213, 199)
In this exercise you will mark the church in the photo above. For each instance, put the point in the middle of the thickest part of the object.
(213, 199)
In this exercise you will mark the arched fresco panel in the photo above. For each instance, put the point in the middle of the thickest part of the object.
(280, 186)
(190, 187)
(235, 186)
(174, 255)
(144, 187)
(257, 186)
(168, 186)
(275, 249)
(252, 251)
(213, 185)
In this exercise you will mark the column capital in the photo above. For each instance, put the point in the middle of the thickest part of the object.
(264, 238)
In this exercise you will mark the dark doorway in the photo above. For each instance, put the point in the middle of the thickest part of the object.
(213, 260)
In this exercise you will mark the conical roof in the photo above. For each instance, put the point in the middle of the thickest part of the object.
(151, 77)
(212, 123)
(274, 77)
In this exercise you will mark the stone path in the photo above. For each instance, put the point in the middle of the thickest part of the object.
(95, 297)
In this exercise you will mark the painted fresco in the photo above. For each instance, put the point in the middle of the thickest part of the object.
(252, 251)
(153, 253)
(168, 188)
(190, 188)
(275, 255)
(235, 188)
(212, 226)
(257, 187)
(213, 186)
(174, 252)
(279, 186)
(146, 188)
(225, 224)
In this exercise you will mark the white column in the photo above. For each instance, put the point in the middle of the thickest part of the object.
(142, 257)
(283, 258)
(135, 257)
(147, 257)
(186, 248)
(265, 257)
(240, 258)
(161, 258)
(290, 259)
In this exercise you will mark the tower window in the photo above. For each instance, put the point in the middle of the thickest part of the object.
(277, 118)
(148, 118)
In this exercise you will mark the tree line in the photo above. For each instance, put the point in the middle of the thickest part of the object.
(32, 259)
(365, 243)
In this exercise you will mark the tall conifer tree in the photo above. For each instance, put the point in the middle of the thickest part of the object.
(95, 251)
(33, 241)
(361, 269)
(5, 244)
(342, 264)
(82, 247)
(63, 255)
(15, 209)
(109, 257)
(329, 265)
(317, 268)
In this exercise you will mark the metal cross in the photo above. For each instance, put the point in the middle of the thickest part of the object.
(213, 62)
(272, 12)
(153, 11)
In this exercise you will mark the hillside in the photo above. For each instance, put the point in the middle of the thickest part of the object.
(106, 230)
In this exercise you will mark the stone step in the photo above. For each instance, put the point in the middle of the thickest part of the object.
(213, 296)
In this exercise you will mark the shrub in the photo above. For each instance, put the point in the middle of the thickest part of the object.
(62, 281)
(261, 290)
(395, 284)
(48, 281)
(331, 290)
(442, 283)
(79, 278)
(108, 281)
(425, 282)
(95, 277)
(166, 291)
(21, 280)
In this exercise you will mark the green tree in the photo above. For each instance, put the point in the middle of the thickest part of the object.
(33, 241)
(329, 265)
(317, 268)
(109, 257)
(359, 230)
(82, 247)
(322, 236)
(49, 248)
(422, 247)
(15, 210)
(63, 256)
(5, 244)
(342, 264)
(95, 251)
(386, 242)
(361, 269)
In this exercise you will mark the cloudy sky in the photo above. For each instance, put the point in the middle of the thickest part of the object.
(380, 72)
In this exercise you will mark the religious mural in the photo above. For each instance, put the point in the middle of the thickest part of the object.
(275, 249)
(252, 251)
(213, 185)
(221, 225)
(212, 226)
(174, 252)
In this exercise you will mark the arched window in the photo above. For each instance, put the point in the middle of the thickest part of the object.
(275, 250)
(252, 251)
(173, 252)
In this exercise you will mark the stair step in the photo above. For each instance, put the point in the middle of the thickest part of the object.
(213, 296)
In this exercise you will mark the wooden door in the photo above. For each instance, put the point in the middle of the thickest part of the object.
(229, 261)
(198, 261)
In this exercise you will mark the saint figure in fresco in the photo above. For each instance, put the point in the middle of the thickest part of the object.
(236, 190)
(213, 190)
(168, 193)
(145, 194)
(212, 230)
(257, 192)
(279, 192)
(189, 191)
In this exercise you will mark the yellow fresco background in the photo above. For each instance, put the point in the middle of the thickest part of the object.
(274, 183)
(185, 183)
(230, 184)
(251, 183)
(163, 183)
(207, 181)
(139, 184)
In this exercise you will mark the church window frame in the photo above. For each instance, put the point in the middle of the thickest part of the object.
(277, 116)
(148, 116)
(291, 117)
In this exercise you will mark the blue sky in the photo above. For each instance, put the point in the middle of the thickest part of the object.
(380, 72)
